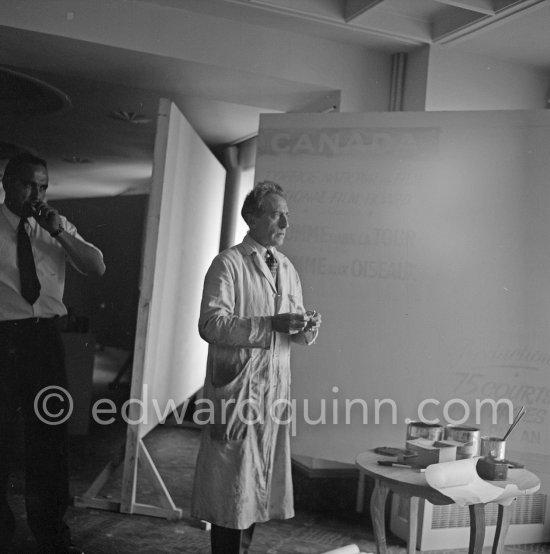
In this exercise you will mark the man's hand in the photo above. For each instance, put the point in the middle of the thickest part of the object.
(47, 217)
(289, 323)
(86, 258)
(313, 320)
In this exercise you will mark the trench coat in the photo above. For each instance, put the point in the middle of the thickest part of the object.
(243, 469)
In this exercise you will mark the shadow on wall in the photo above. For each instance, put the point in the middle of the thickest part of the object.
(116, 226)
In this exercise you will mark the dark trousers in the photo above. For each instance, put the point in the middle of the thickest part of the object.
(230, 541)
(32, 358)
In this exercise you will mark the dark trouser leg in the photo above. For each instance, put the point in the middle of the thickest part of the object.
(247, 538)
(230, 541)
(7, 520)
(46, 491)
(46, 446)
(8, 423)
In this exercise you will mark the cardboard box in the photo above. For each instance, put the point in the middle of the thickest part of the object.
(431, 452)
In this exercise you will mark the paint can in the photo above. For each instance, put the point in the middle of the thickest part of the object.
(494, 448)
(420, 429)
(468, 436)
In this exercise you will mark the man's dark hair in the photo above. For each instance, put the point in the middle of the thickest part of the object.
(16, 164)
(252, 204)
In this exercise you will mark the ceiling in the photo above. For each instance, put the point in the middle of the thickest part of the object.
(99, 141)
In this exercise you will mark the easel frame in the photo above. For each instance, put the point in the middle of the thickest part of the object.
(176, 142)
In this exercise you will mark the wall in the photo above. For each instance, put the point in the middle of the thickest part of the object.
(115, 225)
(416, 80)
(444, 78)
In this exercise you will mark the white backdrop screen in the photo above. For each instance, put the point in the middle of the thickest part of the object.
(423, 239)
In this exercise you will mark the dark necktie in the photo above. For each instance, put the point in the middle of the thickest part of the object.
(30, 285)
(271, 263)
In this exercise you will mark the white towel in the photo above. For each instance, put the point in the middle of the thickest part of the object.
(459, 480)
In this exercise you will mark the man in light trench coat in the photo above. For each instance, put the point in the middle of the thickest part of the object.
(250, 315)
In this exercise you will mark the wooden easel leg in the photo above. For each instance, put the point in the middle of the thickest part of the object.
(89, 498)
(167, 508)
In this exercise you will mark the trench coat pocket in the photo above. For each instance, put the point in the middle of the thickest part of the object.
(234, 406)
(228, 364)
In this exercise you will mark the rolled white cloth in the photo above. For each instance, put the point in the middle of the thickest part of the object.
(459, 480)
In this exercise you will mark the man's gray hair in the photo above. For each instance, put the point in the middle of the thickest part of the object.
(253, 203)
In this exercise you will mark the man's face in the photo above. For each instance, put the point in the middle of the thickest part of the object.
(25, 189)
(269, 228)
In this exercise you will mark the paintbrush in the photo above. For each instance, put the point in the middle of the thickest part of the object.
(520, 414)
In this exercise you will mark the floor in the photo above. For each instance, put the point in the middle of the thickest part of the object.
(173, 448)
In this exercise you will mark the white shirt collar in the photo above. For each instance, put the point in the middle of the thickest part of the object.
(14, 219)
(260, 248)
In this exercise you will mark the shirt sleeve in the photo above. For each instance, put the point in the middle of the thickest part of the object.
(71, 230)
(218, 322)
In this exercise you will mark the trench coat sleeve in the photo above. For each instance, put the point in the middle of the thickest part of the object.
(219, 323)
(303, 337)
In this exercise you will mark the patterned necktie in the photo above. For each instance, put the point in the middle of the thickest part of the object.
(271, 263)
(30, 285)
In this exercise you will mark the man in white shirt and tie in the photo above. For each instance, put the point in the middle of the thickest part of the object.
(35, 242)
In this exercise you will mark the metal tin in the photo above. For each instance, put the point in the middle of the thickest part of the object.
(492, 470)
(468, 436)
(494, 448)
(430, 431)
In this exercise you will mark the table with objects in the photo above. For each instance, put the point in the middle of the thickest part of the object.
(411, 483)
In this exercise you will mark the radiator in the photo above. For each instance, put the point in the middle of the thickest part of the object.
(448, 527)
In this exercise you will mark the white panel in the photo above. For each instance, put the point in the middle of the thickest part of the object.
(189, 222)
(422, 240)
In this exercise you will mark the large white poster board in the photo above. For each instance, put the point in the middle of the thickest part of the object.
(423, 239)
(185, 228)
